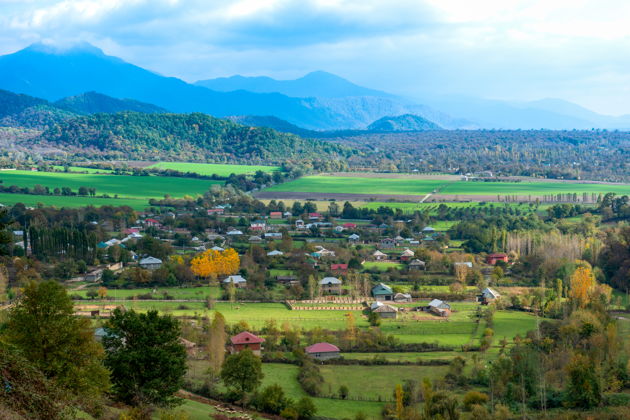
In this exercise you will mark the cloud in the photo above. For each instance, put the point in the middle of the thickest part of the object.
(509, 49)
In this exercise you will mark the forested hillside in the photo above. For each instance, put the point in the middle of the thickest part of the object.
(184, 137)
(94, 102)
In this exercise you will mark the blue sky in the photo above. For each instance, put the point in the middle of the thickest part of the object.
(577, 50)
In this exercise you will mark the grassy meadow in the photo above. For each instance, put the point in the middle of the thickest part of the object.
(213, 168)
(31, 200)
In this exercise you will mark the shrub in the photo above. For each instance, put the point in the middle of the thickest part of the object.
(474, 398)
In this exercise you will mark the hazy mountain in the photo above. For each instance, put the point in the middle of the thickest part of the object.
(553, 114)
(407, 122)
(94, 102)
(53, 74)
(318, 84)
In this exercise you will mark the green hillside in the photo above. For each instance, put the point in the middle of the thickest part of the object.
(185, 137)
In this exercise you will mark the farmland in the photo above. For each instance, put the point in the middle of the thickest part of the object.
(360, 185)
(31, 200)
(121, 185)
(213, 168)
(403, 189)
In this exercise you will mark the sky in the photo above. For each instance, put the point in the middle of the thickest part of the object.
(517, 50)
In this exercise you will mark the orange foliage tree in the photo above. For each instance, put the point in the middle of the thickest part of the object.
(582, 283)
(213, 263)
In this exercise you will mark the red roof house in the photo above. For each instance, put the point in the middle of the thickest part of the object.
(492, 259)
(275, 215)
(323, 351)
(215, 211)
(349, 225)
(314, 216)
(246, 340)
(339, 268)
(152, 222)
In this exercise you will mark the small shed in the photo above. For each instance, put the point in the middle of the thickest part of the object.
(439, 308)
(402, 298)
(379, 256)
(238, 281)
(487, 296)
(386, 311)
(323, 351)
(417, 264)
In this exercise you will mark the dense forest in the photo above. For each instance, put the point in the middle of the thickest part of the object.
(597, 154)
(184, 137)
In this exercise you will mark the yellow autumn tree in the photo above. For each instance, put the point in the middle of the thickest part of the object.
(582, 283)
(213, 263)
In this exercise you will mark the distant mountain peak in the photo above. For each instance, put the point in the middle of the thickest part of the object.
(64, 48)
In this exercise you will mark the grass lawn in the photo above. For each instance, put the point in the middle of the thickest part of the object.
(381, 265)
(127, 186)
(359, 185)
(375, 381)
(31, 200)
(177, 292)
(407, 357)
(213, 168)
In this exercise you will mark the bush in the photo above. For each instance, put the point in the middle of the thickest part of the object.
(474, 398)
(271, 400)
(310, 378)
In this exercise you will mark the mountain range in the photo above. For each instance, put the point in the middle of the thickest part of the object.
(317, 101)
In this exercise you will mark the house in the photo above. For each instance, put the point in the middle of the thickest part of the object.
(467, 264)
(94, 275)
(258, 226)
(234, 232)
(246, 340)
(150, 263)
(255, 239)
(379, 256)
(386, 311)
(492, 259)
(275, 253)
(407, 255)
(314, 216)
(287, 214)
(322, 351)
(320, 252)
(439, 308)
(191, 348)
(402, 298)
(275, 215)
(215, 211)
(353, 238)
(152, 223)
(382, 292)
(417, 265)
(349, 226)
(238, 281)
(428, 230)
(387, 243)
(287, 280)
(273, 235)
(339, 269)
(330, 285)
(339, 229)
(299, 224)
(487, 296)
(217, 248)
(399, 240)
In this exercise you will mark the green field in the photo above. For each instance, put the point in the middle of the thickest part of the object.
(213, 168)
(194, 293)
(83, 169)
(410, 186)
(359, 185)
(31, 200)
(382, 266)
(532, 188)
(125, 186)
